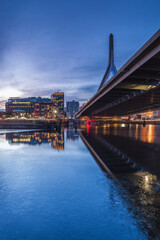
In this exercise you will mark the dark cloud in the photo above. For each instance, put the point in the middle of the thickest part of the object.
(88, 89)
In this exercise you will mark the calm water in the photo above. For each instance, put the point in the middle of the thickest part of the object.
(51, 187)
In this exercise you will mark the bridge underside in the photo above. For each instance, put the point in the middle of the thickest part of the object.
(137, 92)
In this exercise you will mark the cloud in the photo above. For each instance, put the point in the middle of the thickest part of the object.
(94, 67)
(2, 104)
(88, 88)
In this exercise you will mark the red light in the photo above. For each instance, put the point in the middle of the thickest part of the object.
(88, 128)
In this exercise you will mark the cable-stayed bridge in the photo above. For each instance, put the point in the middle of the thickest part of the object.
(134, 88)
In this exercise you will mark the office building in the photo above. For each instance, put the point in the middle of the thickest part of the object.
(24, 106)
(58, 102)
(43, 109)
(72, 108)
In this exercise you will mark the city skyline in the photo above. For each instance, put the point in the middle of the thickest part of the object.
(64, 46)
(48, 108)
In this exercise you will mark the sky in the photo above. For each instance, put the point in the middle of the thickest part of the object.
(62, 45)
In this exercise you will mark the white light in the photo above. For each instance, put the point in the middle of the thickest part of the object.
(146, 178)
(7, 92)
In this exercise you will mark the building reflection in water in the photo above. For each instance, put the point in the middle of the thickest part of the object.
(148, 134)
(55, 138)
(131, 153)
(72, 134)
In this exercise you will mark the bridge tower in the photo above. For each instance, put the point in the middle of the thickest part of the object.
(111, 67)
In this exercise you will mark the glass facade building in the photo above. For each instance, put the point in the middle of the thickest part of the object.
(72, 108)
(50, 108)
(25, 106)
(43, 110)
(58, 102)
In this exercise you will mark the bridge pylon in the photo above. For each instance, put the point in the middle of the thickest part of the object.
(111, 67)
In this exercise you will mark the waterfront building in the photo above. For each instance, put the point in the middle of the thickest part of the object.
(1, 114)
(16, 100)
(72, 108)
(24, 106)
(156, 114)
(43, 109)
(37, 107)
(57, 99)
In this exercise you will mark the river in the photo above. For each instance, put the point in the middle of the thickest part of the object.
(52, 185)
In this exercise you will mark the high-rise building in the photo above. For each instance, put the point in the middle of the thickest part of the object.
(72, 108)
(58, 102)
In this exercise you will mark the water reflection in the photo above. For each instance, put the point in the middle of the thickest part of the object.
(32, 138)
(55, 138)
(48, 194)
(131, 153)
(72, 134)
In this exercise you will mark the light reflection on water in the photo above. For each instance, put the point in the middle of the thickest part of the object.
(52, 188)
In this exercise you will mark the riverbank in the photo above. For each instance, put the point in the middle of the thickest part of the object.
(29, 124)
(140, 122)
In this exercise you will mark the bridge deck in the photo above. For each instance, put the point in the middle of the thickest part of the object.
(134, 88)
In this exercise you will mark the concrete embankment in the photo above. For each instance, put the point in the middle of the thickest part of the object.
(29, 124)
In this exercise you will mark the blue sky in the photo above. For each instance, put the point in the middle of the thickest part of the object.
(48, 45)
